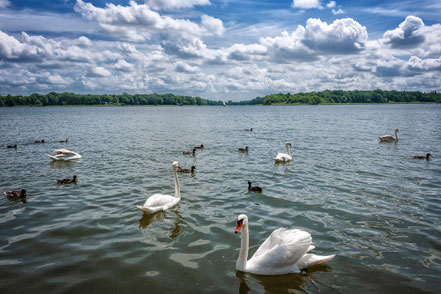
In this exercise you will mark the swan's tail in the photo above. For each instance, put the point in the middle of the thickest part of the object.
(309, 259)
(145, 209)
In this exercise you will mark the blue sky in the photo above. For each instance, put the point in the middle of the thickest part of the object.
(218, 49)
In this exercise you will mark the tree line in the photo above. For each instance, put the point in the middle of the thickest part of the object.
(65, 98)
(323, 97)
(340, 96)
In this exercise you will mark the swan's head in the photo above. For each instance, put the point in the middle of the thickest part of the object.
(397, 131)
(288, 144)
(241, 220)
(175, 164)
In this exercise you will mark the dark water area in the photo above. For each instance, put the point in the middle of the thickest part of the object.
(371, 204)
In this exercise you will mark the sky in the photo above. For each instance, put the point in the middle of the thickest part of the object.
(218, 49)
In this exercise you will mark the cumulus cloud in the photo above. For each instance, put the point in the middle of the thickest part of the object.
(343, 36)
(138, 22)
(306, 4)
(408, 33)
(175, 4)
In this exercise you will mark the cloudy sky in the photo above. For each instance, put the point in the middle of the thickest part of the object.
(218, 49)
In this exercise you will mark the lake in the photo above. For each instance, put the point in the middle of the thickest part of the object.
(371, 204)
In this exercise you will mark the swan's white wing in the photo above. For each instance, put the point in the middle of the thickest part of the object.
(386, 138)
(269, 243)
(283, 157)
(311, 259)
(158, 202)
(291, 246)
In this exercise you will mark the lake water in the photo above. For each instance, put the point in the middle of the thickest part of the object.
(371, 204)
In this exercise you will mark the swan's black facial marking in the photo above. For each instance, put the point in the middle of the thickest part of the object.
(239, 225)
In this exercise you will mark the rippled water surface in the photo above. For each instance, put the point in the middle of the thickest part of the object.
(371, 204)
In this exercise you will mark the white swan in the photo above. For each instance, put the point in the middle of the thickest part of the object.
(161, 202)
(64, 155)
(284, 157)
(284, 252)
(390, 138)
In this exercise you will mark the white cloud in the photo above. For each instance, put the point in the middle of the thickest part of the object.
(331, 4)
(175, 4)
(138, 22)
(408, 33)
(306, 4)
(337, 12)
(4, 3)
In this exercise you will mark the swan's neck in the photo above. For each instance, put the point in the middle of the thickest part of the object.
(177, 189)
(287, 150)
(241, 262)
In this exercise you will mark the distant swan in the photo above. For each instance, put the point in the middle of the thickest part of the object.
(161, 202)
(427, 157)
(64, 155)
(284, 157)
(283, 252)
(389, 138)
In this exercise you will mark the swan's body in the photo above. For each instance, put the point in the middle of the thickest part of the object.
(390, 138)
(283, 252)
(64, 155)
(284, 157)
(161, 202)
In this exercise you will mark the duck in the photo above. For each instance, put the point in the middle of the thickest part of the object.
(284, 157)
(74, 180)
(256, 189)
(193, 152)
(63, 141)
(186, 170)
(283, 252)
(39, 141)
(249, 130)
(12, 146)
(199, 147)
(427, 157)
(17, 195)
(243, 149)
(161, 202)
(389, 138)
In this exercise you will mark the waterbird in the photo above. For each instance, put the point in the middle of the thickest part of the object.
(243, 149)
(254, 188)
(199, 147)
(12, 146)
(389, 138)
(186, 170)
(249, 130)
(39, 141)
(63, 141)
(74, 180)
(162, 202)
(193, 152)
(15, 195)
(427, 157)
(284, 157)
(283, 252)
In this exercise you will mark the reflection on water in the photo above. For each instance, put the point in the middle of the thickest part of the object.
(148, 219)
(62, 164)
(292, 283)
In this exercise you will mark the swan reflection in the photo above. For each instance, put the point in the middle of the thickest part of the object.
(62, 164)
(292, 283)
(148, 219)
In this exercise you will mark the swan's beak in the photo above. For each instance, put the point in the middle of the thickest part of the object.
(239, 225)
